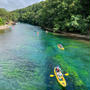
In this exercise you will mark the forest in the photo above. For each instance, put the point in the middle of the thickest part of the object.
(56, 15)
(3, 16)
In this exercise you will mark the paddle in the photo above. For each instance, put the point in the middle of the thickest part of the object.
(66, 74)
(51, 75)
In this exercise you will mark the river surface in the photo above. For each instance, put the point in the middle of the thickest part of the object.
(28, 56)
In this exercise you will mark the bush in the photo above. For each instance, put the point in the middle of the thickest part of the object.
(1, 21)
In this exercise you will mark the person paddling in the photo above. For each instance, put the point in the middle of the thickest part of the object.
(57, 69)
(60, 45)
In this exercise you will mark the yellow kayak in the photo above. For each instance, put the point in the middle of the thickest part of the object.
(60, 47)
(61, 80)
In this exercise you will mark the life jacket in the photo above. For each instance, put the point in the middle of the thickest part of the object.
(57, 69)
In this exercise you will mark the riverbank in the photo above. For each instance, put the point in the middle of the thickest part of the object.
(7, 25)
(76, 36)
(4, 27)
(72, 35)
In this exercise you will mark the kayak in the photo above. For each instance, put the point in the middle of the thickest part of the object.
(61, 80)
(60, 47)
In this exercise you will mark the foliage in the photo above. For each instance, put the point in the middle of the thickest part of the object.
(1, 21)
(3, 12)
(4, 16)
(66, 15)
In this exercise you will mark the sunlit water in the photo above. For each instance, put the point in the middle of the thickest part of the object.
(27, 58)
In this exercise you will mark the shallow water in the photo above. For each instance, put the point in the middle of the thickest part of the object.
(27, 58)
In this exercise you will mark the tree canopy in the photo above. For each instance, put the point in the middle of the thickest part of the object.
(58, 15)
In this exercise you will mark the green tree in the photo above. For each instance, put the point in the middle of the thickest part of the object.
(58, 15)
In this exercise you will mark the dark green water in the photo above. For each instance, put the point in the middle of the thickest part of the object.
(27, 60)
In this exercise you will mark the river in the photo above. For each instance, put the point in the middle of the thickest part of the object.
(28, 56)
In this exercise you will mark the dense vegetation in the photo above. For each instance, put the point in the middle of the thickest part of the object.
(57, 15)
(4, 16)
(1, 21)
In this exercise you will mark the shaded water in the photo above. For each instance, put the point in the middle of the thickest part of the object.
(27, 59)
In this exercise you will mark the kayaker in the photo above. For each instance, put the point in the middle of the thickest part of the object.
(60, 45)
(37, 33)
(57, 69)
(60, 74)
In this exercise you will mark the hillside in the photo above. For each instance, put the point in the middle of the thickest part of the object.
(57, 15)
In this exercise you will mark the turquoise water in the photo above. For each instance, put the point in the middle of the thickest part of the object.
(28, 58)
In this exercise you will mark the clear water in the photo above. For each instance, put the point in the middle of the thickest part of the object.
(28, 58)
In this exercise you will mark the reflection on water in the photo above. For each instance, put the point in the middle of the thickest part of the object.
(5, 30)
(27, 60)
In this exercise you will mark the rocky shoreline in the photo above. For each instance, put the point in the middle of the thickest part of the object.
(71, 35)
(76, 36)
